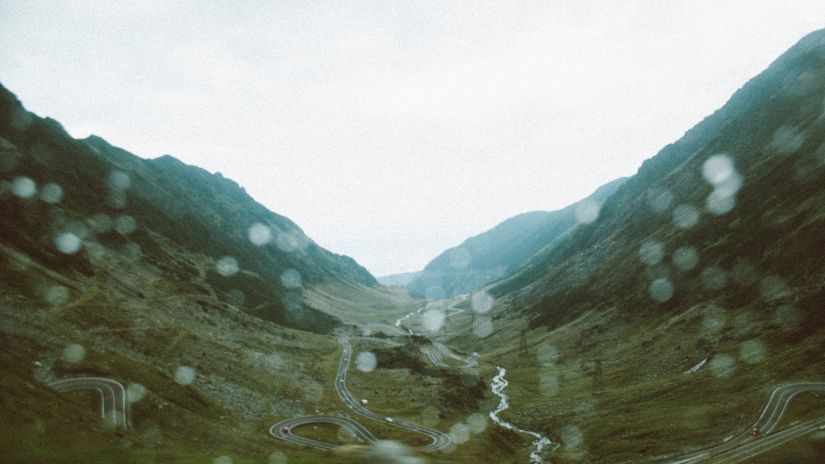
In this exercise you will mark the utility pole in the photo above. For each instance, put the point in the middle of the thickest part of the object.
(598, 378)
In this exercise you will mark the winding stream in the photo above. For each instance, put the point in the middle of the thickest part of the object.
(497, 386)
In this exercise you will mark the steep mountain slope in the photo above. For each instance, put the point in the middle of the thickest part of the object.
(663, 326)
(401, 279)
(502, 250)
(101, 197)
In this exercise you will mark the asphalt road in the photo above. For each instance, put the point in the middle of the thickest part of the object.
(113, 404)
(283, 430)
(745, 446)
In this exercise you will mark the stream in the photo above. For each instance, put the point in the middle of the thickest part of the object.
(497, 386)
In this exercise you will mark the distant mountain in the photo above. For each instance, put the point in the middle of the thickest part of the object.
(733, 212)
(401, 279)
(502, 250)
(198, 229)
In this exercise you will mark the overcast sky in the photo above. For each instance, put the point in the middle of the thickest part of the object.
(392, 130)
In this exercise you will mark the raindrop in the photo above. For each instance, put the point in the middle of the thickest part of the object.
(227, 266)
(236, 297)
(549, 383)
(291, 278)
(119, 180)
(659, 199)
(222, 460)
(713, 278)
(125, 224)
(752, 351)
(23, 187)
(787, 318)
(651, 252)
(460, 433)
(277, 458)
(135, 392)
(131, 251)
(787, 140)
(548, 355)
(433, 320)
(722, 365)
(661, 290)
(51, 193)
(718, 168)
(290, 241)
(100, 223)
(744, 273)
(587, 211)
(714, 319)
(74, 353)
(366, 361)
(259, 234)
(718, 203)
(477, 423)
(685, 216)
(67, 243)
(572, 437)
(482, 327)
(481, 302)
(459, 258)
(685, 258)
(57, 295)
(185, 375)
(773, 288)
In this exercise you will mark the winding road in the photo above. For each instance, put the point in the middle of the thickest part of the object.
(745, 446)
(283, 430)
(113, 404)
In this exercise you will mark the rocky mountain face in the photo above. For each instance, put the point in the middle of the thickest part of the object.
(67, 203)
(731, 213)
(504, 249)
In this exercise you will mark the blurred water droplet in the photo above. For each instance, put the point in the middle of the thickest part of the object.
(547, 355)
(125, 224)
(718, 203)
(482, 327)
(433, 320)
(67, 243)
(119, 180)
(290, 241)
(651, 252)
(259, 234)
(291, 278)
(185, 375)
(685, 258)
(772, 288)
(572, 437)
(366, 361)
(787, 318)
(685, 216)
(51, 193)
(752, 351)
(481, 302)
(460, 433)
(587, 211)
(476, 423)
(57, 295)
(23, 187)
(713, 278)
(277, 458)
(722, 365)
(659, 199)
(100, 223)
(787, 140)
(744, 273)
(222, 460)
(135, 392)
(74, 353)
(661, 290)
(714, 319)
(548, 382)
(459, 258)
(718, 168)
(227, 266)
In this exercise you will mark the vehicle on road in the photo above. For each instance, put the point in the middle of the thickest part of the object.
(388, 419)
(754, 431)
(285, 429)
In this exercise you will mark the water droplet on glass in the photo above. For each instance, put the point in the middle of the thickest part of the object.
(547, 355)
(772, 288)
(713, 278)
(476, 423)
(787, 140)
(74, 353)
(57, 295)
(718, 168)
(67, 242)
(135, 392)
(661, 290)
(51, 193)
(718, 203)
(291, 278)
(100, 223)
(366, 361)
(651, 252)
(481, 302)
(222, 460)
(23, 187)
(433, 320)
(482, 326)
(587, 211)
(787, 318)
(685, 258)
(659, 199)
(259, 234)
(572, 437)
(125, 224)
(227, 266)
(549, 382)
(119, 180)
(685, 216)
(185, 375)
(460, 433)
(722, 365)
(277, 458)
(752, 351)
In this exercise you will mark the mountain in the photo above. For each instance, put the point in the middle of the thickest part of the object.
(200, 230)
(663, 326)
(401, 279)
(502, 250)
